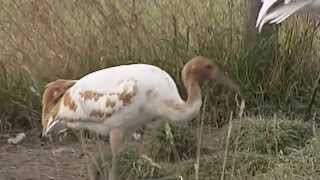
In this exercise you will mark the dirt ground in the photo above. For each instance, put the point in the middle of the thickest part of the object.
(33, 159)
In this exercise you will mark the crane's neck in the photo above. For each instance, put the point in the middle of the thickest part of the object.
(179, 110)
(193, 91)
(191, 106)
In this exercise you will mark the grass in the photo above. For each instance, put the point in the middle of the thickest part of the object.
(272, 136)
(284, 152)
(173, 143)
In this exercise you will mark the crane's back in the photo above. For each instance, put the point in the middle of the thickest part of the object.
(146, 76)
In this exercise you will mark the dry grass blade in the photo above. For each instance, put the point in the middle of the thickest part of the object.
(226, 154)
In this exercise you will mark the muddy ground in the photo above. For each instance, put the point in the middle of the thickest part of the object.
(34, 159)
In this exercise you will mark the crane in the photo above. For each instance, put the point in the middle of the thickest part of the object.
(118, 100)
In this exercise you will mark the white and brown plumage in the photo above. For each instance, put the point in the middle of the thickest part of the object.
(276, 11)
(120, 99)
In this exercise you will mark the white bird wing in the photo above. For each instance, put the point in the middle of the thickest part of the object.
(288, 1)
(94, 105)
(264, 9)
(315, 7)
(283, 12)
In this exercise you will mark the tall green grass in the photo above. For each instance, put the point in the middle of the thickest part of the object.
(41, 41)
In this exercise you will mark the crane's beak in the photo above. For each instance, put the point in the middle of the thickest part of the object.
(222, 78)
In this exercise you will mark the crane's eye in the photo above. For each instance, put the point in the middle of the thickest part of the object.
(209, 66)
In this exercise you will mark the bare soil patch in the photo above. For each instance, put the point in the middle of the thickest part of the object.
(35, 160)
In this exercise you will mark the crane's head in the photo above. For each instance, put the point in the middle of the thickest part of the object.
(202, 69)
(51, 100)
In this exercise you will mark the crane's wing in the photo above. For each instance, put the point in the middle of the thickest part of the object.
(96, 105)
(282, 12)
(84, 104)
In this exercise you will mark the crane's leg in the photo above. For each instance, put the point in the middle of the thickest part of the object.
(117, 137)
(141, 146)
(138, 135)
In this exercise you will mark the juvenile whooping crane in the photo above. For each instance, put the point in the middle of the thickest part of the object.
(118, 100)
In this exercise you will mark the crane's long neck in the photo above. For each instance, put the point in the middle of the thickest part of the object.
(191, 107)
(179, 110)
(193, 91)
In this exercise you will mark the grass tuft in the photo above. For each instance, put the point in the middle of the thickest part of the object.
(173, 143)
(272, 136)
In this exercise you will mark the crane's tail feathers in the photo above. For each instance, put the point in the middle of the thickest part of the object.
(55, 90)
(51, 95)
(50, 128)
(61, 81)
(283, 12)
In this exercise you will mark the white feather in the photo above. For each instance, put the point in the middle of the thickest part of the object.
(264, 9)
(51, 125)
(284, 10)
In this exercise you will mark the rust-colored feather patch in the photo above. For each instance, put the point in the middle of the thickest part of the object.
(90, 95)
(110, 103)
(126, 96)
(100, 114)
(69, 102)
(108, 115)
(96, 114)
